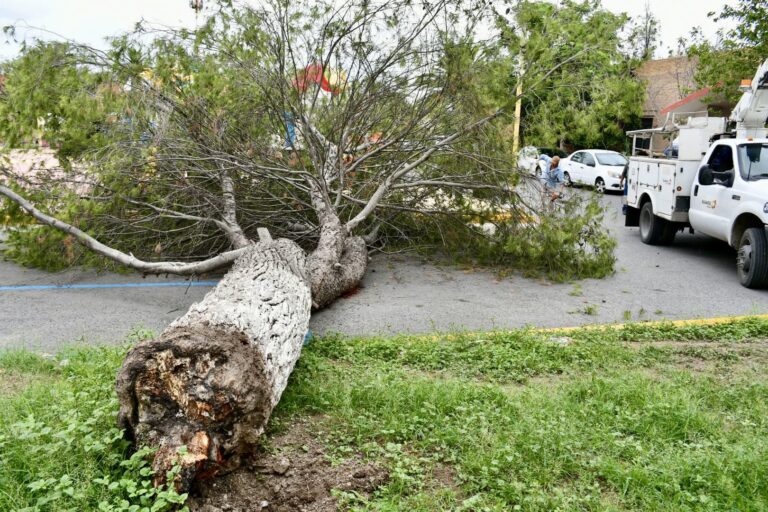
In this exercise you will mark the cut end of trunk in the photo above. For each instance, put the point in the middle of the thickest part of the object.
(264, 235)
(202, 392)
(199, 394)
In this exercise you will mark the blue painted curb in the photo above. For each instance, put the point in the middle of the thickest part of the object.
(32, 287)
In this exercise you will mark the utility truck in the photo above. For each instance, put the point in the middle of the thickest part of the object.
(717, 185)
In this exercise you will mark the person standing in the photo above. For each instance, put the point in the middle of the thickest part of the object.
(553, 177)
(624, 183)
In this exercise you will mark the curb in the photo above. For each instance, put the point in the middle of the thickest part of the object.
(675, 323)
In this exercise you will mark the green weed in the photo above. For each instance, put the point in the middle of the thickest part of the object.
(576, 292)
(60, 448)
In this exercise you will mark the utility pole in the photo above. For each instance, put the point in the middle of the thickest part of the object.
(518, 101)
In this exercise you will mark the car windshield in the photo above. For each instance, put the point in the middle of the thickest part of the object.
(610, 159)
(753, 161)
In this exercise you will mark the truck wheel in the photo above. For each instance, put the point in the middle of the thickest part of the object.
(652, 228)
(600, 185)
(752, 258)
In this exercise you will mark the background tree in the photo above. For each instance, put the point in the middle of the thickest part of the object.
(738, 51)
(643, 37)
(589, 96)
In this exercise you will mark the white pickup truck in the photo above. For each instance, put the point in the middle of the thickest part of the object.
(723, 195)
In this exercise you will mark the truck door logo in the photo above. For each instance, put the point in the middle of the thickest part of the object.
(709, 204)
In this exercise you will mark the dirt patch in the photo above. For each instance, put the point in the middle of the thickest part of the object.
(718, 344)
(294, 474)
(711, 356)
(445, 476)
(12, 383)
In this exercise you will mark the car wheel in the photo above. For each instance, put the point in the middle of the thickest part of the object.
(600, 185)
(652, 228)
(567, 177)
(752, 258)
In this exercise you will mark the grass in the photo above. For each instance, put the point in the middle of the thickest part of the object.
(646, 417)
(60, 449)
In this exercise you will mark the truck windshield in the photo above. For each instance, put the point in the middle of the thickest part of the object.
(753, 161)
(610, 159)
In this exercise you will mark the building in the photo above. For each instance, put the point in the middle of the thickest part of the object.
(668, 81)
(670, 89)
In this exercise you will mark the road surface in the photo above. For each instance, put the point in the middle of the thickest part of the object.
(694, 278)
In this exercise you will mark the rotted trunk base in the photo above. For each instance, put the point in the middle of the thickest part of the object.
(203, 391)
(199, 387)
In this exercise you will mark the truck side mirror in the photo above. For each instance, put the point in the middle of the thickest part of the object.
(706, 176)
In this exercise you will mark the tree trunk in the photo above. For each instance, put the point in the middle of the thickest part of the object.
(209, 382)
(337, 265)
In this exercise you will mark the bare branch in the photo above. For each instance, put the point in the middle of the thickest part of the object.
(169, 267)
(233, 229)
(385, 186)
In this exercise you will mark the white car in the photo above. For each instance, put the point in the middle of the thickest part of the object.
(595, 167)
(527, 160)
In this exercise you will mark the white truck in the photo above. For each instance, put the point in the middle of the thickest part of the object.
(717, 185)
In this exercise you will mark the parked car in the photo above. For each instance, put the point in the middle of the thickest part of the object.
(595, 167)
(528, 158)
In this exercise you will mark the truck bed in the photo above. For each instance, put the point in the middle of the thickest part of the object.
(666, 181)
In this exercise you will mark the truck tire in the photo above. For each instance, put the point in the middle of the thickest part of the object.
(752, 258)
(653, 230)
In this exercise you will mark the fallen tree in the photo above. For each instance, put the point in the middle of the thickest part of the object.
(297, 121)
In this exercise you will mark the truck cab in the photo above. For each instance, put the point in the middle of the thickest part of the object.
(724, 194)
(730, 192)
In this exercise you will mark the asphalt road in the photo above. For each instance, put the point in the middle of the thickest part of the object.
(694, 278)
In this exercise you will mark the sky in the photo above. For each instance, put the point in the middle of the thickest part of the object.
(90, 21)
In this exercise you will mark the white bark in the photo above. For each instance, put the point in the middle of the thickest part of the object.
(209, 382)
(234, 231)
(266, 297)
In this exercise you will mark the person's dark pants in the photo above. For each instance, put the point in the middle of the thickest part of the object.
(624, 198)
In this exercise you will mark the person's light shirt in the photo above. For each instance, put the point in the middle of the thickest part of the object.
(551, 177)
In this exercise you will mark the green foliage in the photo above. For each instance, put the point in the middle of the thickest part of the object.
(50, 93)
(60, 448)
(46, 248)
(566, 244)
(578, 87)
(161, 114)
(565, 241)
(739, 51)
